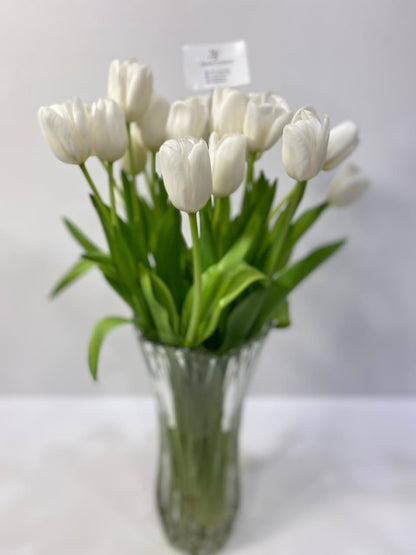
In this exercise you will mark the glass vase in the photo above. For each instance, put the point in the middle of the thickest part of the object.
(200, 398)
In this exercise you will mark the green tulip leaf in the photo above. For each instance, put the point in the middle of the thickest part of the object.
(161, 306)
(257, 200)
(207, 242)
(99, 333)
(288, 279)
(221, 285)
(281, 318)
(242, 318)
(75, 272)
(279, 232)
(101, 258)
(80, 237)
(170, 253)
(136, 229)
(297, 230)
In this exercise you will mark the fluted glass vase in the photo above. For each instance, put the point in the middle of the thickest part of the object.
(200, 398)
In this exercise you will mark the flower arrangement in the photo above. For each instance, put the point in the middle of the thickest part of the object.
(234, 278)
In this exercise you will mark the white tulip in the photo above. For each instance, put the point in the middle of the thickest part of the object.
(187, 117)
(206, 100)
(186, 171)
(228, 162)
(305, 142)
(266, 116)
(67, 129)
(228, 110)
(343, 139)
(153, 122)
(109, 133)
(130, 83)
(139, 152)
(347, 186)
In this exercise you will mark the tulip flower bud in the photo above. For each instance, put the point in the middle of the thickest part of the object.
(153, 122)
(130, 83)
(206, 100)
(139, 152)
(186, 172)
(266, 116)
(187, 118)
(305, 142)
(228, 163)
(109, 134)
(343, 139)
(228, 111)
(67, 129)
(347, 186)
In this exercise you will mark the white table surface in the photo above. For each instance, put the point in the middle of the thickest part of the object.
(324, 477)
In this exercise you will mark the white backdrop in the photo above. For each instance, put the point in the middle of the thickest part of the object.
(353, 321)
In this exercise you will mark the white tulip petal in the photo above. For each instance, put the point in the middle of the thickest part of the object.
(186, 173)
(232, 113)
(322, 146)
(276, 129)
(200, 176)
(153, 122)
(187, 117)
(349, 193)
(305, 113)
(67, 129)
(305, 142)
(109, 134)
(130, 84)
(228, 160)
(347, 186)
(343, 139)
(296, 152)
(265, 117)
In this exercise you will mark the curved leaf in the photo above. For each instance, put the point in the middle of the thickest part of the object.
(169, 253)
(297, 230)
(207, 241)
(99, 333)
(288, 279)
(221, 285)
(75, 272)
(280, 230)
(80, 236)
(241, 319)
(281, 318)
(161, 306)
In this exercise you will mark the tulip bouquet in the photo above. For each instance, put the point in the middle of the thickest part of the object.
(203, 306)
(234, 279)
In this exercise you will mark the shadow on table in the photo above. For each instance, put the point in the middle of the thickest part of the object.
(280, 488)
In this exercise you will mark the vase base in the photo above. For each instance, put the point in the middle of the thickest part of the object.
(194, 539)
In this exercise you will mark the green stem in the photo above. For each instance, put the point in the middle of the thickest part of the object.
(111, 185)
(250, 169)
(116, 185)
(284, 200)
(131, 153)
(93, 187)
(220, 221)
(153, 167)
(197, 263)
(284, 223)
(153, 179)
(135, 200)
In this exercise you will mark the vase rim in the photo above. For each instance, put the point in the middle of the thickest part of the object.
(205, 352)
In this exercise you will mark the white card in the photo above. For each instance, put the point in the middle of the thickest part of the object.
(207, 66)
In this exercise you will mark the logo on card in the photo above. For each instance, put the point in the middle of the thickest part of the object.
(213, 54)
(215, 65)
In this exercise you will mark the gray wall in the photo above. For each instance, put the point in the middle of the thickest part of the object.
(353, 322)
